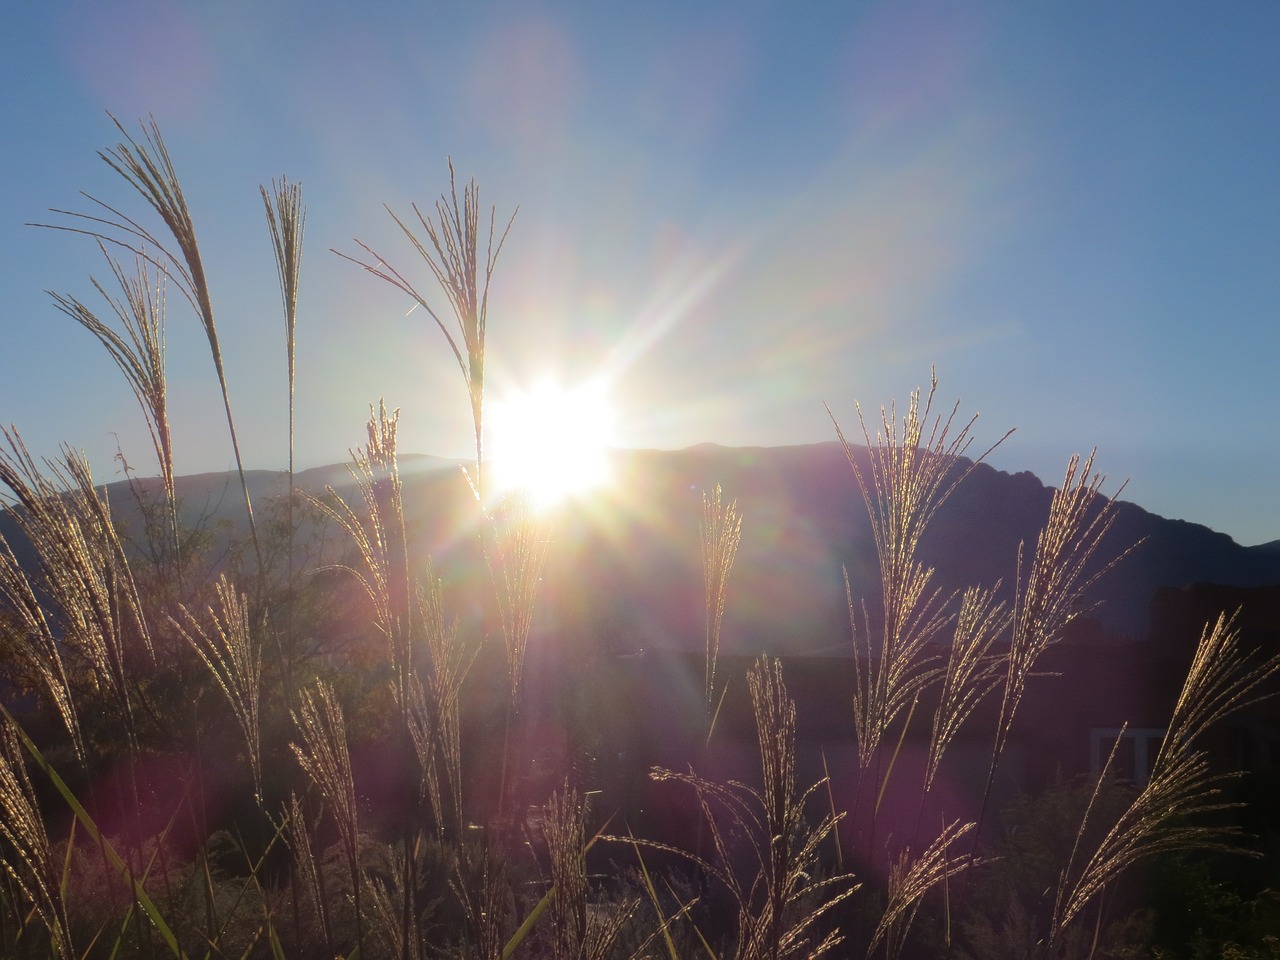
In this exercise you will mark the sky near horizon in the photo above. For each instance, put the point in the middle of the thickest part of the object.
(733, 212)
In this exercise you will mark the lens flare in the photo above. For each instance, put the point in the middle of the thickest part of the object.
(551, 442)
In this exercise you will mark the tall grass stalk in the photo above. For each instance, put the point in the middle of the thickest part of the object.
(478, 885)
(286, 220)
(139, 353)
(971, 673)
(581, 930)
(577, 931)
(324, 755)
(720, 531)
(381, 540)
(24, 623)
(449, 244)
(1065, 565)
(439, 704)
(29, 857)
(910, 878)
(147, 167)
(387, 897)
(422, 720)
(516, 538)
(451, 254)
(378, 475)
(1169, 812)
(764, 852)
(307, 872)
(232, 653)
(377, 532)
(912, 473)
(82, 567)
(516, 548)
(408, 615)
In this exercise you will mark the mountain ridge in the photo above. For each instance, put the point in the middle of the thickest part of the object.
(633, 545)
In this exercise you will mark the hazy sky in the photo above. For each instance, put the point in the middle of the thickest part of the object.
(737, 211)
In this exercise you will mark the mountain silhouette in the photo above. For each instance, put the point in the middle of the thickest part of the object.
(625, 565)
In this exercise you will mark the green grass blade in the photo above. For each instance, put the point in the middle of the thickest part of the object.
(835, 824)
(124, 925)
(88, 951)
(140, 895)
(65, 880)
(518, 937)
(711, 728)
(253, 942)
(653, 897)
(277, 948)
(705, 946)
(896, 750)
(540, 907)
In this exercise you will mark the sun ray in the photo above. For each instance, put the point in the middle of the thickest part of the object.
(551, 441)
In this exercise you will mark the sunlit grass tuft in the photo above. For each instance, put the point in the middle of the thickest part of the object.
(1171, 811)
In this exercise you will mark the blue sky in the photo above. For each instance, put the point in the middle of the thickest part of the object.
(737, 211)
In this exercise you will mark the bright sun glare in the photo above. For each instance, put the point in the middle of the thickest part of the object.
(551, 441)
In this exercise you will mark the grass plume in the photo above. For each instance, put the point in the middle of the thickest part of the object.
(515, 548)
(324, 755)
(307, 871)
(229, 648)
(139, 353)
(377, 532)
(83, 569)
(147, 167)
(286, 221)
(436, 705)
(1168, 814)
(910, 878)
(782, 896)
(971, 673)
(1064, 567)
(579, 930)
(720, 531)
(29, 633)
(911, 475)
(451, 254)
(28, 857)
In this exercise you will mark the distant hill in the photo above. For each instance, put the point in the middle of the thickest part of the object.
(626, 564)
(804, 520)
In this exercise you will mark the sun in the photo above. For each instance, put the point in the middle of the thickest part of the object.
(551, 442)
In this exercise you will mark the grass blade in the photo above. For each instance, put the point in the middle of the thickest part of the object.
(523, 930)
(82, 815)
